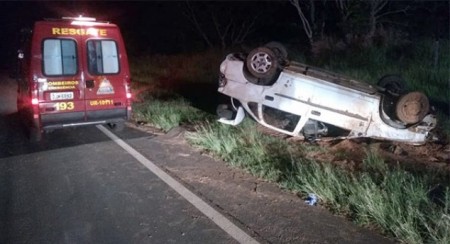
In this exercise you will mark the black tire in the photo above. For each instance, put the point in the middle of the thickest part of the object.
(35, 134)
(412, 107)
(262, 63)
(19, 99)
(279, 49)
(117, 126)
(393, 84)
(249, 76)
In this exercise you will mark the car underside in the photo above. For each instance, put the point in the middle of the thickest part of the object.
(304, 101)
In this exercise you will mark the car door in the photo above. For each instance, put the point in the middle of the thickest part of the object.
(60, 87)
(105, 94)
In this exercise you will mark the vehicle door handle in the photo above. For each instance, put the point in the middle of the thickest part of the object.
(90, 84)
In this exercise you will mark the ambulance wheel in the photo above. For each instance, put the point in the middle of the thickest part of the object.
(35, 135)
(412, 107)
(19, 105)
(117, 126)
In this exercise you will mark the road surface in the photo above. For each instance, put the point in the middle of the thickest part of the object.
(87, 185)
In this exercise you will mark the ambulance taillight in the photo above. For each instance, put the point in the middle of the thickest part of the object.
(128, 88)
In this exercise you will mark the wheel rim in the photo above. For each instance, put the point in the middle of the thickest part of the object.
(411, 110)
(412, 107)
(261, 62)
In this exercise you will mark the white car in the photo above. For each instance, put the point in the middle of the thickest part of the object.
(303, 101)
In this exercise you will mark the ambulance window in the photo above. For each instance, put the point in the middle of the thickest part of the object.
(60, 57)
(102, 57)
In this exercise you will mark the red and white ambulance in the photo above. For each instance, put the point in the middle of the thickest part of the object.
(74, 72)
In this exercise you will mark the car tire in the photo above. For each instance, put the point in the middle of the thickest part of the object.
(262, 63)
(393, 84)
(412, 107)
(250, 77)
(279, 49)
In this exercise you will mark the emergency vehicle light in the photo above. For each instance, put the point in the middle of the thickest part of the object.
(79, 18)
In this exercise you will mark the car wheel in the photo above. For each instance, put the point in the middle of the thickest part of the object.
(249, 76)
(118, 126)
(262, 63)
(393, 84)
(279, 49)
(412, 107)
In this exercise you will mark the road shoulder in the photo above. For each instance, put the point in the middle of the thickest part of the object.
(261, 208)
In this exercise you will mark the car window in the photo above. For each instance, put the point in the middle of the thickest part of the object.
(60, 57)
(102, 57)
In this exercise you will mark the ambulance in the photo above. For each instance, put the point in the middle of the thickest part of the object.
(73, 72)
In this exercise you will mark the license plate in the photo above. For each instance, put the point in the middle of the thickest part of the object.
(61, 95)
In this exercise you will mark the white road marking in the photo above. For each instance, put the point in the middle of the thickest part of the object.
(201, 205)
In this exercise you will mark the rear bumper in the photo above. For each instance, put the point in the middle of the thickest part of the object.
(62, 120)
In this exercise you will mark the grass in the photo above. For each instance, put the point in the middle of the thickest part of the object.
(167, 114)
(247, 152)
(399, 203)
(389, 199)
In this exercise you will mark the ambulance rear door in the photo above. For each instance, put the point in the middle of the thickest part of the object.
(105, 70)
(55, 72)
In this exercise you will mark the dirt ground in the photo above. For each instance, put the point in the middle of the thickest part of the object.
(350, 153)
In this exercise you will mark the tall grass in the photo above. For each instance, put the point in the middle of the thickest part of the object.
(249, 152)
(167, 114)
(389, 199)
(395, 202)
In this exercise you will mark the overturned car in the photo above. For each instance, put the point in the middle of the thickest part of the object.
(303, 101)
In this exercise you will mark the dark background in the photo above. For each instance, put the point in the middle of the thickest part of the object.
(147, 26)
(151, 27)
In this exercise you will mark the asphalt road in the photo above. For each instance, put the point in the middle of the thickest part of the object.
(81, 185)
(93, 193)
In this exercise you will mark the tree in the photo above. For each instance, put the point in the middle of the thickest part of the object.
(310, 23)
(220, 25)
(377, 11)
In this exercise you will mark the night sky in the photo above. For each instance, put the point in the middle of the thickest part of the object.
(147, 26)
(151, 27)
